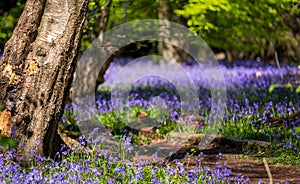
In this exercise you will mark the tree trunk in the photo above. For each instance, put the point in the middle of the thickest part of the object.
(168, 51)
(104, 17)
(89, 68)
(290, 50)
(103, 24)
(36, 72)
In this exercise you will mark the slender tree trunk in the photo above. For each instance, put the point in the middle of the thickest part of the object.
(290, 50)
(104, 17)
(103, 24)
(36, 72)
(164, 49)
(89, 68)
(168, 51)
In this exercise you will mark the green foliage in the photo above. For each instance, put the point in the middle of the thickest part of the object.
(9, 20)
(238, 25)
(228, 24)
(135, 10)
(196, 12)
(6, 143)
(273, 87)
(298, 89)
(288, 86)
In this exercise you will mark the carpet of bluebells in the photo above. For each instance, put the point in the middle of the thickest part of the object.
(250, 102)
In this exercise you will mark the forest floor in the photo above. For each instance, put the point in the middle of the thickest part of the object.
(248, 165)
(242, 156)
(233, 154)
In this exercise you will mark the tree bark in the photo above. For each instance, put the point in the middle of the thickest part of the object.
(104, 17)
(36, 72)
(89, 68)
(103, 24)
(168, 51)
(290, 50)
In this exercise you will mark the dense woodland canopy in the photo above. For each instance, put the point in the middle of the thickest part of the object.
(240, 29)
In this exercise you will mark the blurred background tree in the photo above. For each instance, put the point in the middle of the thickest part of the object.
(241, 29)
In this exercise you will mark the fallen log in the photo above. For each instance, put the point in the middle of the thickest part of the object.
(282, 121)
(195, 139)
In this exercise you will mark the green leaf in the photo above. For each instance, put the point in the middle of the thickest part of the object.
(273, 87)
(298, 89)
(289, 86)
(297, 129)
(233, 25)
(7, 142)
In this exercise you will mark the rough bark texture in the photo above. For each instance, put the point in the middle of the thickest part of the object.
(36, 73)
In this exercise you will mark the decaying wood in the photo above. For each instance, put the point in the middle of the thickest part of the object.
(194, 140)
(36, 72)
(72, 143)
(236, 142)
(5, 124)
(279, 122)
